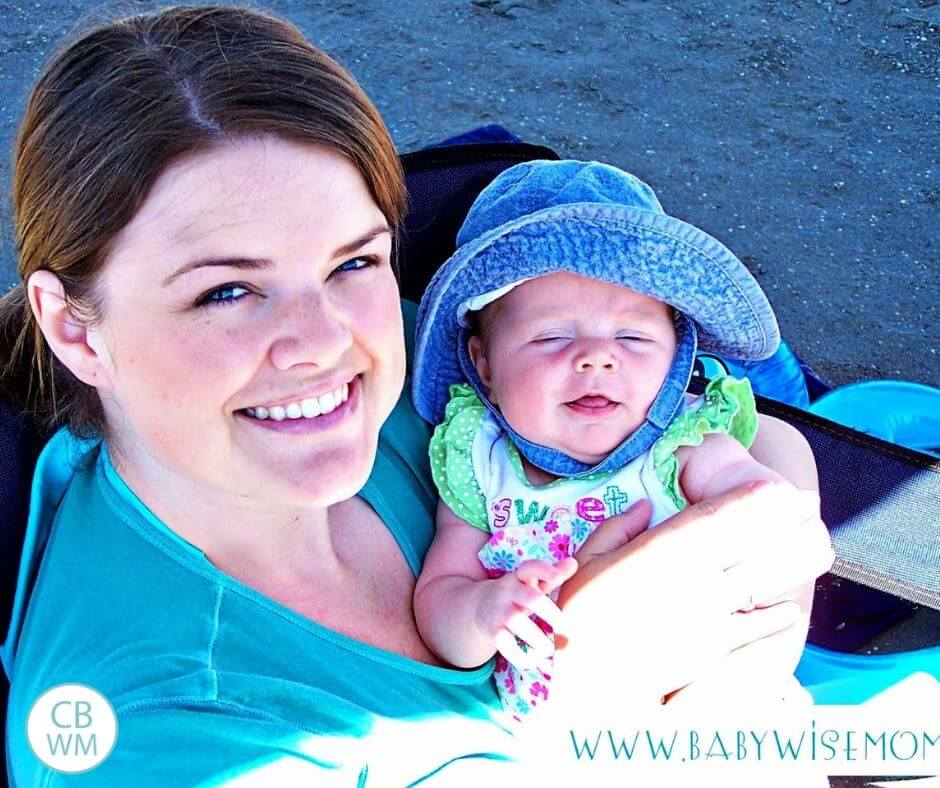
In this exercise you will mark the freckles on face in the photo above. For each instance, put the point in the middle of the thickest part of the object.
(257, 273)
(175, 379)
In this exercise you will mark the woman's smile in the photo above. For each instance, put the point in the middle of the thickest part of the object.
(308, 416)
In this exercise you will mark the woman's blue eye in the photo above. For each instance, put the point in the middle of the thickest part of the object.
(356, 264)
(223, 296)
(231, 293)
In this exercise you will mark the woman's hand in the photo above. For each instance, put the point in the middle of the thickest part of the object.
(649, 612)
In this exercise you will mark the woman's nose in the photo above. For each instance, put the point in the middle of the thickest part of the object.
(309, 331)
(595, 355)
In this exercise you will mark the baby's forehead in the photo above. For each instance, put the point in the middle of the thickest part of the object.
(568, 293)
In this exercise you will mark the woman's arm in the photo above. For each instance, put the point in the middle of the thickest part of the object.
(463, 615)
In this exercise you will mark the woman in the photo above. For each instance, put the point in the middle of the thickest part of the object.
(204, 207)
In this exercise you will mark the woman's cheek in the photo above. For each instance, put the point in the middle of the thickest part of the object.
(193, 373)
(377, 325)
(375, 321)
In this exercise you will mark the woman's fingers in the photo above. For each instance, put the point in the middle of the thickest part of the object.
(740, 523)
(758, 670)
(715, 639)
(747, 628)
(616, 531)
(793, 562)
(770, 513)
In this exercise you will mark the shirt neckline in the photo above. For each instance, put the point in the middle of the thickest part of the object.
(131, 510)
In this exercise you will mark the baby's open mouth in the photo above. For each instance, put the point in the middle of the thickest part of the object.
(593, 401)
(593, 405)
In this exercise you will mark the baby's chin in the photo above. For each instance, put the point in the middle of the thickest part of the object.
(593, 453)
(587, 443)
(591, 459)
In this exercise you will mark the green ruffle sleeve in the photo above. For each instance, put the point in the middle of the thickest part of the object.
(728, 408)
(451, 454)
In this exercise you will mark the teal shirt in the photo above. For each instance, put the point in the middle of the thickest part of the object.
(212, 681)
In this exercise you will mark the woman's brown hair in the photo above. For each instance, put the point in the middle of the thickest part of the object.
(111, 111)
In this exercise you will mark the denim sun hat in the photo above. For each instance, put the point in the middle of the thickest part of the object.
(599, 222)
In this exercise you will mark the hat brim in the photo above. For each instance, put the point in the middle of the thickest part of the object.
(651, 253)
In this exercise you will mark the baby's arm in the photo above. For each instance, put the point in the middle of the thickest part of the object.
(464, 616)
(718, 465)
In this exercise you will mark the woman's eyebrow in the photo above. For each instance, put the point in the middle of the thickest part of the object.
(370, 236)
(242, 263)
(252, 263)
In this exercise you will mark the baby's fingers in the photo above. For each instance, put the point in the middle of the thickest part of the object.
(508, 646)
(545, 577)
(525, 629)
(549, 612)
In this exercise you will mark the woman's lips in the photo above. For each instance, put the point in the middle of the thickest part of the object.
(593, 406)
(321, 423)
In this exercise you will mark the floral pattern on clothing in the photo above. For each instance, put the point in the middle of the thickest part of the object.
(550, 540)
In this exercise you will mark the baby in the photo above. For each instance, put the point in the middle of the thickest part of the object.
(553, 352)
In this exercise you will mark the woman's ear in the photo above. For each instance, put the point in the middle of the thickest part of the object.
(80, 349)
(478, 357)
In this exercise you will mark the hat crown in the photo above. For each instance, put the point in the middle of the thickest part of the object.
(536, 185)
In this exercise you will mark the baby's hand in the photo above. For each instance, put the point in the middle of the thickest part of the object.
(507, 603)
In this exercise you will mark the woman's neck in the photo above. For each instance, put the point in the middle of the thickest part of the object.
(243, 536)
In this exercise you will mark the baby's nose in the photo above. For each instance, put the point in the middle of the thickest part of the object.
(595, 355)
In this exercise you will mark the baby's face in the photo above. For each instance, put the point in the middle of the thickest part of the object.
(574, 363)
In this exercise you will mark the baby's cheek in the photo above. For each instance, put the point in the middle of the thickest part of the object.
(645, 375)
(528, 411)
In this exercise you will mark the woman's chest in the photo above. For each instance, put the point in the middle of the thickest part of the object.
(372, 599)
(379, 612)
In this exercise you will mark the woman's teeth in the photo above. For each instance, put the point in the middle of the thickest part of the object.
(308, 408)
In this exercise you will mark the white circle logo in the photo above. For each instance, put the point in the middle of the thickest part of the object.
(71, 728)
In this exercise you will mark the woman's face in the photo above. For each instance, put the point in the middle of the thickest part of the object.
(254, 282)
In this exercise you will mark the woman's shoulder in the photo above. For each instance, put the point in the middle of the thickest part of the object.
(97, 600)
(399, 488)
